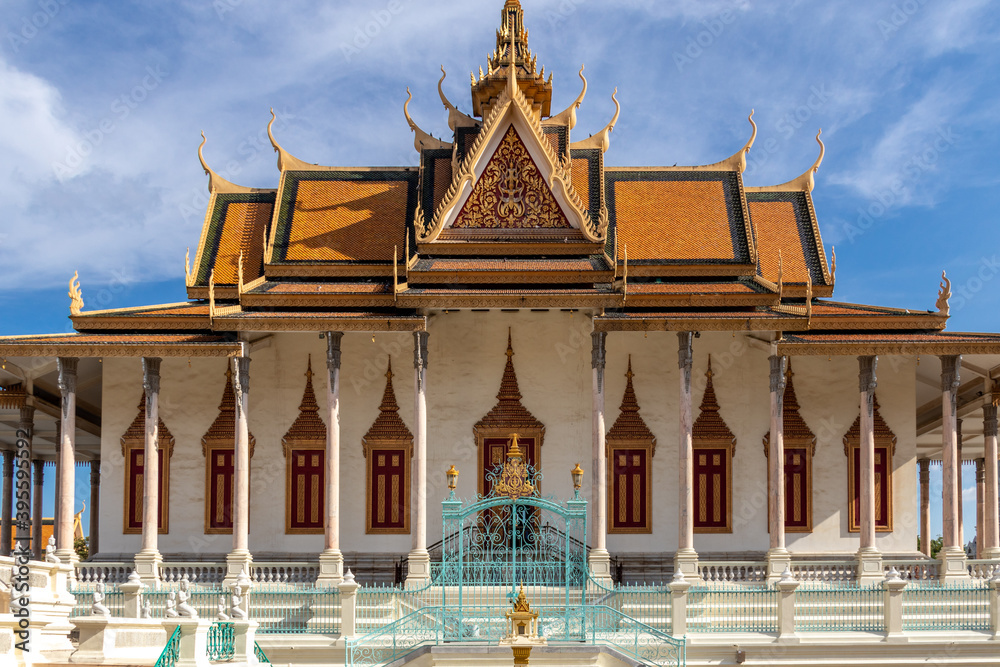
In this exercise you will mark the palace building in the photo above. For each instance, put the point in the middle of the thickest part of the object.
(354, 334)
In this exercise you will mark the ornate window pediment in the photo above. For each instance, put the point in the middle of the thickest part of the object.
(714, 447)
(133, 444)
(388, 448)
(218, 446)
(304, 448)
(508, 416)
(630, 447)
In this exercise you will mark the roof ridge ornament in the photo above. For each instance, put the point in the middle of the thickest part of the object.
(738, 162)
(286, 161)
(216, 183)
(944, 296)
(422, 141)
(187, 268)
(75, 295)
(456, 118)
(568, 117)
(807, 181)
(602, 139)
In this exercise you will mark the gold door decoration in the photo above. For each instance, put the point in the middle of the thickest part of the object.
(511, 193)
(513, 479)
(133, 439)
(306, 438)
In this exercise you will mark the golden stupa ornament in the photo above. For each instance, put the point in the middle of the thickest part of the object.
(514, 476)
(523, 633)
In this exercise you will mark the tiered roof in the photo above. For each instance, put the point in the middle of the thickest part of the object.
(509, 213)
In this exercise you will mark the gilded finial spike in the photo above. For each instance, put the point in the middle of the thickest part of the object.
(833, 268)
(629, 374)
(944, 296)
(75, 295)
(709, 374)
(187, 267)
(388, 373)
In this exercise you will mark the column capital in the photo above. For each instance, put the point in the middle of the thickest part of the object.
(95, 472)
(420, 339)
(598, 356)
(241, 375)
(27, 418)
(779, 378)
(67, 374)
(951, 372)
(39, 475)
(685, 354)
(925, 470)
(151, 375)
(990, 420)
(980, 471)
(333, 339)
(867, 378)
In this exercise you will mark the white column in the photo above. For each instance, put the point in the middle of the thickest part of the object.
(980, 504)
(686, 558)
(148, 560)
(331, 561)
(777, 557)
(953, 554)
(991, 524)
(600, 559)
(419, 561)
(960, 482)
(240, 558)
(869, 558)
(67, 460)
(925, 507)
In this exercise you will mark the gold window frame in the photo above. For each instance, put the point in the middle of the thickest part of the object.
(208, 449)
(128, 447)
(809, 445)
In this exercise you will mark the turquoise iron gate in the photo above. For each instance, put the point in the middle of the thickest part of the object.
(509, 538)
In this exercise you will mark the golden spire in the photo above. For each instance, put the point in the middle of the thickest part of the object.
(710, 425)
(75, 295)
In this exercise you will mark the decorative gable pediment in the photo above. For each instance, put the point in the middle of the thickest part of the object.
(308, 430)
(222, 432)
(135, 435)
(710, 428)
(511, 184)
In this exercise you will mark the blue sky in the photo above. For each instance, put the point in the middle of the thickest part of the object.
(103, 104)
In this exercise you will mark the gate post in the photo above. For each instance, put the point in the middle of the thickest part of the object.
(348, 605)
(678, 605)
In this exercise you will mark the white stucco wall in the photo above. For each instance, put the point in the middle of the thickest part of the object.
(552, 359)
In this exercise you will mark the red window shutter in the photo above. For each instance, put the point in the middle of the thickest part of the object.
(308, 492)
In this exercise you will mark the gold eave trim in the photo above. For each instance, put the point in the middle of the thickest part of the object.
(509, 301)
(495, 277)
(876, 322)
(508, 248)
(139, 323)
(885, 348)
(292, 323)
(700, 324)
(800, 291)
(686, 270)
(222, 293)
(320, 270)
(700, 300)
(317, 300)
(123, 350)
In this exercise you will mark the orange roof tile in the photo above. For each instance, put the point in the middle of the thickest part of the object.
(581, 178)
(237, 225)
(338, 220)
(783, 222)
(442, 180)
(679, 217)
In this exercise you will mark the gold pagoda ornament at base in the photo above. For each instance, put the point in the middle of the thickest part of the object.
(523, 634)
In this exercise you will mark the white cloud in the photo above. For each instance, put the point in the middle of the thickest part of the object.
(901, 165)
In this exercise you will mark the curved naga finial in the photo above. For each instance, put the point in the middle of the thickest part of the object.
(807, 181)
(216, 183)
(456, 118)
(740, 159)
(422, 141)
(286, 161)
(944, 296)
(75, 295)
(602, 139)
(568, 117)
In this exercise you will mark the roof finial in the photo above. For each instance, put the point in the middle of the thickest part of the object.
(286, 161)
(709, 374)
(216, 183)
(602, 139)
(187, 268)
(629, 374)
(807, 181)
(745, 151)
(422, 141)
(510, 346)
(75, 295)
(569, 115)
(388, 373)
(944, 296)
(833, 268)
